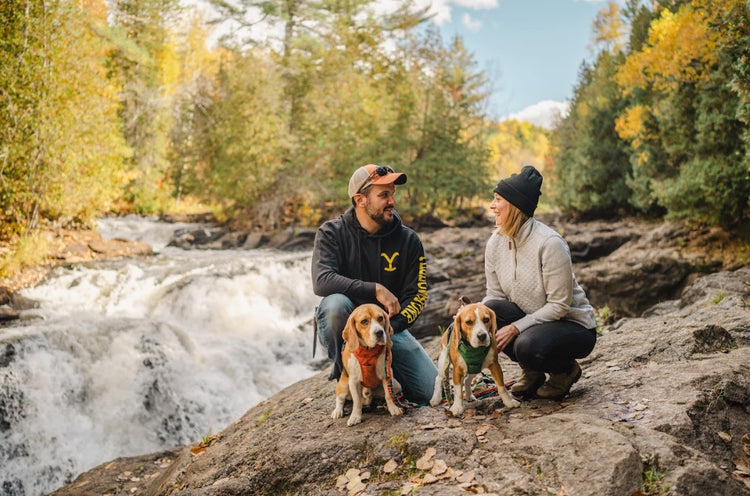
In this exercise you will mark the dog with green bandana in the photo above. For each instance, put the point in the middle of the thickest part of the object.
(467, 348)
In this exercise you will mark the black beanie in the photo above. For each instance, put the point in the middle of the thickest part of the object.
(522, 190)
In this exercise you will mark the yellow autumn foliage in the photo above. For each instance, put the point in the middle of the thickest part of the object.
(680, 47)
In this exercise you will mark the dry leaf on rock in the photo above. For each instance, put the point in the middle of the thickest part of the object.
(439, 467)
(426, 463)
(429, 479)
(746, 443)
(341, 482)
(352, 473)
(356, 487)
(725, 436)
(482, 430)
(466, 476)
(390, 466)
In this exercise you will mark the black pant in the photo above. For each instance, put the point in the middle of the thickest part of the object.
(548, 347)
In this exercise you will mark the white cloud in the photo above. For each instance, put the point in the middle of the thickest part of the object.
(471, 23)
(546, 113)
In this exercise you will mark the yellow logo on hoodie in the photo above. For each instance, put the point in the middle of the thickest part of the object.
(390, 267)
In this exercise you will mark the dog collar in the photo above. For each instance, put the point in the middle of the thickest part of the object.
(474, 357)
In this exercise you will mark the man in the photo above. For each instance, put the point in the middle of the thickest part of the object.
(367, 255)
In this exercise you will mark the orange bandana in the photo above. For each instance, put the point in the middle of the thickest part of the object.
(368, 360)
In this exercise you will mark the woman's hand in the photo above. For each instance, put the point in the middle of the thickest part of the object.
(505, 335)
(387, 299)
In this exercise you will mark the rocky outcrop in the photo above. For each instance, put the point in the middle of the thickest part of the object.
(662, 408)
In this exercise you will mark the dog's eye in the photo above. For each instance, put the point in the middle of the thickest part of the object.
(486, 320)
(363, 322)
(469, 322)
(380, 319)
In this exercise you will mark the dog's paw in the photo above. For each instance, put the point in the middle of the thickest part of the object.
(395, 410)
(354, 419)
(511, 403)
(470, 398)
(337, 413)
(457, 409)
(366, 397)
(437, 397)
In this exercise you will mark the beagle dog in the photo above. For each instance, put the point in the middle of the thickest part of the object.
(367, 337)
(469, 348)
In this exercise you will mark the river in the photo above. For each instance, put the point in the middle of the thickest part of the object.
(134, 356)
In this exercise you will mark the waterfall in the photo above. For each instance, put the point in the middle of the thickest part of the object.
(129, 357)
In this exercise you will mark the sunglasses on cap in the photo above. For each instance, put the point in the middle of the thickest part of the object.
(382, 170)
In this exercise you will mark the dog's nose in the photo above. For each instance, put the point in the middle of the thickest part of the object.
(380, 334)
(483, 337)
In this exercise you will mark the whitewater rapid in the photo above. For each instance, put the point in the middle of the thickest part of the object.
(131, 357)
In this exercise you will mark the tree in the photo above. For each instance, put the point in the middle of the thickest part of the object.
(687, 146)
(138, 65)
(61, 156)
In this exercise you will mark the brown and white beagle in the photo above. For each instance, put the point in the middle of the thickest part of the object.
(367, 337)
(469, 348)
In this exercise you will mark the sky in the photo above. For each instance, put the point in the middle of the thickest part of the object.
(531, 50)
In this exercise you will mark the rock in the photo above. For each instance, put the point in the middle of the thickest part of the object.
(655, 393)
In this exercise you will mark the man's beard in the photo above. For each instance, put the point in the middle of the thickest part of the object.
(380, 217)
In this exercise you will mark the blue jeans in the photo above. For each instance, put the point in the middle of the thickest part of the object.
(411, 365)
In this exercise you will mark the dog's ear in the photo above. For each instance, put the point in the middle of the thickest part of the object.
(492, 327)
(456, 334)
(350, 333)
(388, 330)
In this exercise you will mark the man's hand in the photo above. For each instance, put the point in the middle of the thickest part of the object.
(387, 299)
(505, 335)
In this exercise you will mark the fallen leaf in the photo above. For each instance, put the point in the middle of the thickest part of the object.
(424, 464)
(341, 482)
(429, 479)
(482, 430)
(390, 466)
(439, 467)
(356, 487)
(197, 450)
(466, 476)
(352, 473)
(407, 488)
(746, 443)
(725, 436)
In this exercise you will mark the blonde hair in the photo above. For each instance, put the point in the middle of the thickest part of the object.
(513, 221)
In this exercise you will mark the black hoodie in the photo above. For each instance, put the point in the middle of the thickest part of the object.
(348, 260)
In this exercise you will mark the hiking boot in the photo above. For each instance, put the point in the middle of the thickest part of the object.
(528, 383)
(558, 385)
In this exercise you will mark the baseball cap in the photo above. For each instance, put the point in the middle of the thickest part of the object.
(373, 174)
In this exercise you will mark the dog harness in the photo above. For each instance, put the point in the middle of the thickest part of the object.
(368, 361)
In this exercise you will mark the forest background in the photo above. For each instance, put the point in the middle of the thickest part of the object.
(124, 106)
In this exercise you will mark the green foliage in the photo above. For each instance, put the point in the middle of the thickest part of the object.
(61, 151)
(592, 167)
(663, 125)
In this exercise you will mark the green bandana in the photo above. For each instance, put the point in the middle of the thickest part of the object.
(474, 357)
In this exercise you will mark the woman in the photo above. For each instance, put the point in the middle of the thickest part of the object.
(544, 319)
